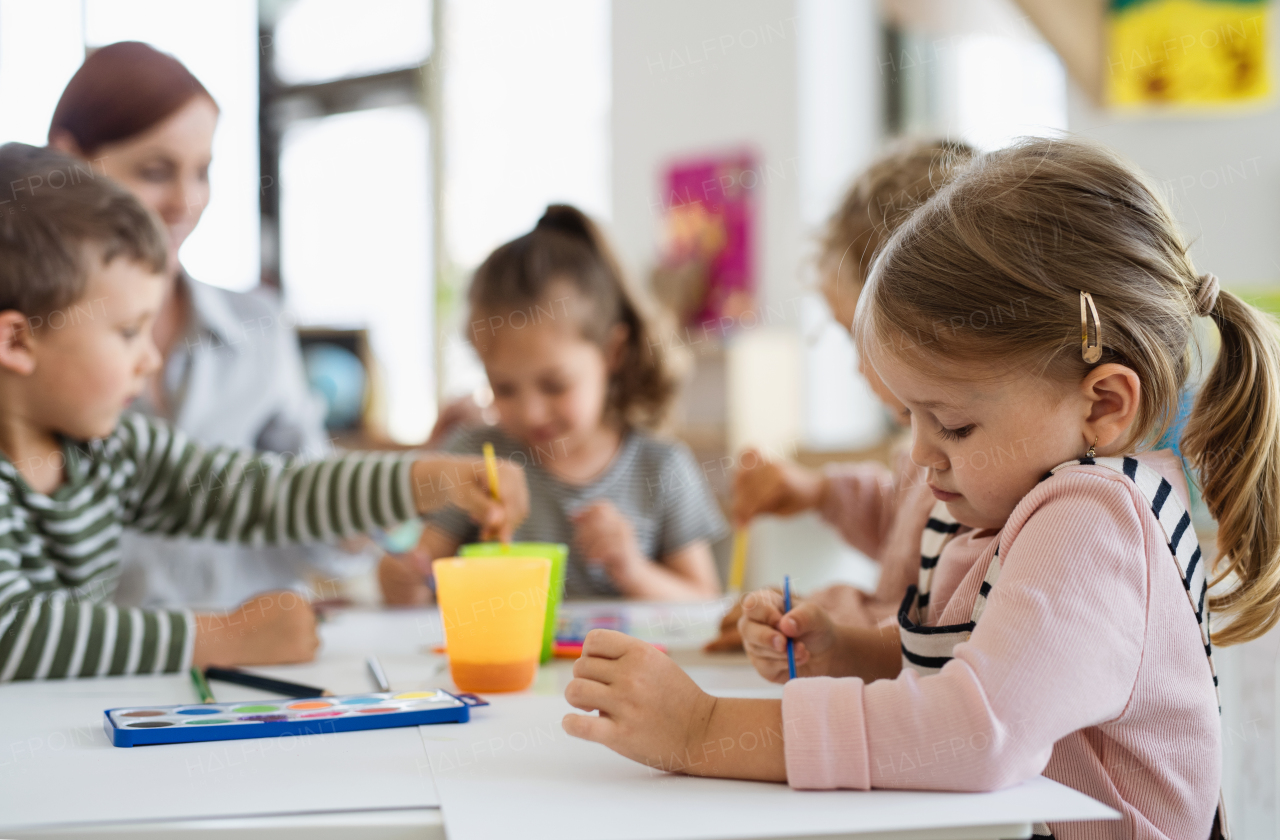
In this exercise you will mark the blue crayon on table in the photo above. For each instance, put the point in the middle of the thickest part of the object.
(791, 645)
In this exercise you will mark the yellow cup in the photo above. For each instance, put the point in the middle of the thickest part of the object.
(493, 615)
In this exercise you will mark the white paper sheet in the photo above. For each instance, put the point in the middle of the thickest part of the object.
(552, 786)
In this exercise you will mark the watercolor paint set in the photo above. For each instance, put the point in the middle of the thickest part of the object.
(138, 725)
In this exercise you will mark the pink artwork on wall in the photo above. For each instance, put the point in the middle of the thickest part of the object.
(709, 206)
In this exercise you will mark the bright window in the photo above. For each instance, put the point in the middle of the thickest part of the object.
(319, 40)
(34, 70)
(355, 244)
(527, 93)
(42, 45)
(994, 106)
(218, 41)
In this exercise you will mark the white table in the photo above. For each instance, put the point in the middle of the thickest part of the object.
(59, 777)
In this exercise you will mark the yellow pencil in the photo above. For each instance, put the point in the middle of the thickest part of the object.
(738, 571)
(491, 467)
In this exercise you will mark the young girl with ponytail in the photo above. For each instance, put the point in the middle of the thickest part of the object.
(1036, 318)
(580, 380)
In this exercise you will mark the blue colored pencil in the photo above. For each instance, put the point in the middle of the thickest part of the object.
(791, 645)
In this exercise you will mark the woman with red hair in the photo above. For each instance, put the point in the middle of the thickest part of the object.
(232, 370)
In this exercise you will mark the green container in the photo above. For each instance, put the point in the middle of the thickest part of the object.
(557, 553)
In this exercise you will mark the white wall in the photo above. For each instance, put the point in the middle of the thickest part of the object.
(710, 76)
(1221, 174)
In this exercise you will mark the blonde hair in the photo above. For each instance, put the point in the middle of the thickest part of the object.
(884, 195)
(992, 268)
(566, 247)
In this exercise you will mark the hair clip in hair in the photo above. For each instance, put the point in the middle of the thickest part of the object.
(1091, 352)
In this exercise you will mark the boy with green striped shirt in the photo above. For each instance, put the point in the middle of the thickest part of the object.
(81, 279)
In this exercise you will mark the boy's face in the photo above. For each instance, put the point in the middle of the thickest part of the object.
(93, 358)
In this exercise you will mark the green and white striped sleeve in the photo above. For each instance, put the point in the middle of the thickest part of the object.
(233, 495)
(48, 631)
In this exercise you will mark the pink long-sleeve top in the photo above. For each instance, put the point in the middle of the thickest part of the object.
(880, 512)
(1087, 665)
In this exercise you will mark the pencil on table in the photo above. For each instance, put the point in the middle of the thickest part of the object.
(202, 686)
(288, 689)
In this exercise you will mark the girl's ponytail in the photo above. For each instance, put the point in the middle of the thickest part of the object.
(1233, 441)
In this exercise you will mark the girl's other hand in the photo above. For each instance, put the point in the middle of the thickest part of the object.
(765, 630)
(778, 487)
(650, 710)
(605, 536)
(274, 628)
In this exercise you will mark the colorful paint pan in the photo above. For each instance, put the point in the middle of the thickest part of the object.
(309, 705)
(227, 721)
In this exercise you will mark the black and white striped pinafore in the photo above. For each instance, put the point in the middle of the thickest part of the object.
(926, 649)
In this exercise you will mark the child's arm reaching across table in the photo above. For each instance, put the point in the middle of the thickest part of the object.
(55, 619)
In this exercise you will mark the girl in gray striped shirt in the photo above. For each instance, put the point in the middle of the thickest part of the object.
(579, 381)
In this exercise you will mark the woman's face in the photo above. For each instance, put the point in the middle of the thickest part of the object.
(167, 168)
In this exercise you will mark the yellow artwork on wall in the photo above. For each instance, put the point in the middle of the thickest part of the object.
(1187, 52)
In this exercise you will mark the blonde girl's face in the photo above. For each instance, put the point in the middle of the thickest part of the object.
(549, 383)
(985, 445)
(841, 288)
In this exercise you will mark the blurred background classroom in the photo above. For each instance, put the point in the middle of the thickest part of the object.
(369, 154)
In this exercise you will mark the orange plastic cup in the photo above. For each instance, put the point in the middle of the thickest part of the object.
(493, 615)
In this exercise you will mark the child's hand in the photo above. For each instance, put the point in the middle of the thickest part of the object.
(779, 487)
(605, 536)
(462, 481)
(765, 630)
(649, 709)
(402, 581)
(274, 628)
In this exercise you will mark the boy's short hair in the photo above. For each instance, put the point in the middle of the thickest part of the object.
(55, 213)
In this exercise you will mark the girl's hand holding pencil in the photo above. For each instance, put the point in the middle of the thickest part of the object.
(820, 646)
(465, 482)
(766, 626)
